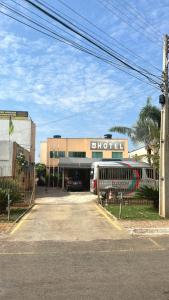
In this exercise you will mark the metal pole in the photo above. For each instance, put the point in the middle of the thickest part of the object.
(98, 184)
(53, 169)
(58, 177)
(8, 207)
(49, 168)
(34, 185)
(120, 208)
(63, 179)
(164, 140)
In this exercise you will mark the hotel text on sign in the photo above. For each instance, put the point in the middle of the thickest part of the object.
(96, 145)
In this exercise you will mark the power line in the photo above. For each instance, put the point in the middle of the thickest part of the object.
(65, 40)
(140, 22)
(54, 25)
(143, 70)
(115, 52)
(141, 16)
(106, 34)
(123, 15)
(84, 31)
(62, 39)
(111, 8)
(48, 28)
(89, 39)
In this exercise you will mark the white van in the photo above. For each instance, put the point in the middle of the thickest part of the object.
(123, 175)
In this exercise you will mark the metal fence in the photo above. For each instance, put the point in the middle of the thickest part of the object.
(19, 196)
(116, 185)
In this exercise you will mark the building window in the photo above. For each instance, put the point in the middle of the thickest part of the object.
(60, 153)
(117, 155)
(97, 154)
(57, 154)
(77, 154)
(51, 154)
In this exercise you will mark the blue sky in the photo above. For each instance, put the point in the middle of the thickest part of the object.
(73, 94)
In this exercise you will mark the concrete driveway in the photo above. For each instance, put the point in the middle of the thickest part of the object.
(62, 216)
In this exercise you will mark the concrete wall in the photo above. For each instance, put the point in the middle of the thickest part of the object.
(43, 153)
(139, 153)
(6, 158)
(23, 134)
(9, 166)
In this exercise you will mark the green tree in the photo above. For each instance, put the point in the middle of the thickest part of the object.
(150, 116)
(41, 173)
(146, 130)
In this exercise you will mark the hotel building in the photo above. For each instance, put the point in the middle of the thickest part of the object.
(73, 155)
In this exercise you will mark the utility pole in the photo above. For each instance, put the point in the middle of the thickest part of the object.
(164, 137)
(53, 167)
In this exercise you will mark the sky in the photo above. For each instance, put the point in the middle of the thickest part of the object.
(70, 93)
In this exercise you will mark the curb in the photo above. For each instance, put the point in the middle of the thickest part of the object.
(107, 212)
(24, 213)
(148, 231)
(139, 231)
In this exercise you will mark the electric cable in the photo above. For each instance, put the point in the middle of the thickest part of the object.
(70, 43)
(111, 10)
(141, 16)
(106, 34)
(152, 75)
(138, 22)
(75, 30)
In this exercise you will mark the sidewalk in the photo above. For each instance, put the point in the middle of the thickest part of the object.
(146, 227)
(5, 228)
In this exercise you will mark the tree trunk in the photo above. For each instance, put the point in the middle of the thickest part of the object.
(149, 155)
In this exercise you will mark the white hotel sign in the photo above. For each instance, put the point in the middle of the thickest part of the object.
(106, 145)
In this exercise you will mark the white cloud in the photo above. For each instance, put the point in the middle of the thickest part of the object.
(54, 81)
(55, 77)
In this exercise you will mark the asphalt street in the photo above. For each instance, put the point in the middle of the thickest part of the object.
(76, 265)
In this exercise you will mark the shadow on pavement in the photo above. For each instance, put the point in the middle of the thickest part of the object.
(43, 192)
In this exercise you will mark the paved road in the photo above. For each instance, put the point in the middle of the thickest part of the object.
(89, 267)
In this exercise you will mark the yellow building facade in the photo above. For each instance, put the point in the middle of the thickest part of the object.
(95, 148)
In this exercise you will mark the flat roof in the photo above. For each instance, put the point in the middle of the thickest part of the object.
(136, 149)
(122, 163)
(76, 163)
(86, 138)
(86, 163)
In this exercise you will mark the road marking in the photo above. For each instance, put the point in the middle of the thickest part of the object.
(156, 244)
(112, 222)
(22, 220)
(83, 252)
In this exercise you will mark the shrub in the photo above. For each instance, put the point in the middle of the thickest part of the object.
(3, 200)
(12, 187)
(15, 196)
(148, 193)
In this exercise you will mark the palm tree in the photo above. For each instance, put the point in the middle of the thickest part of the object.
(146, 129)
(151, 111)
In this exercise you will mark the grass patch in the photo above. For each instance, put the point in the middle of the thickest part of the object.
(15, 213)
(135, 212)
